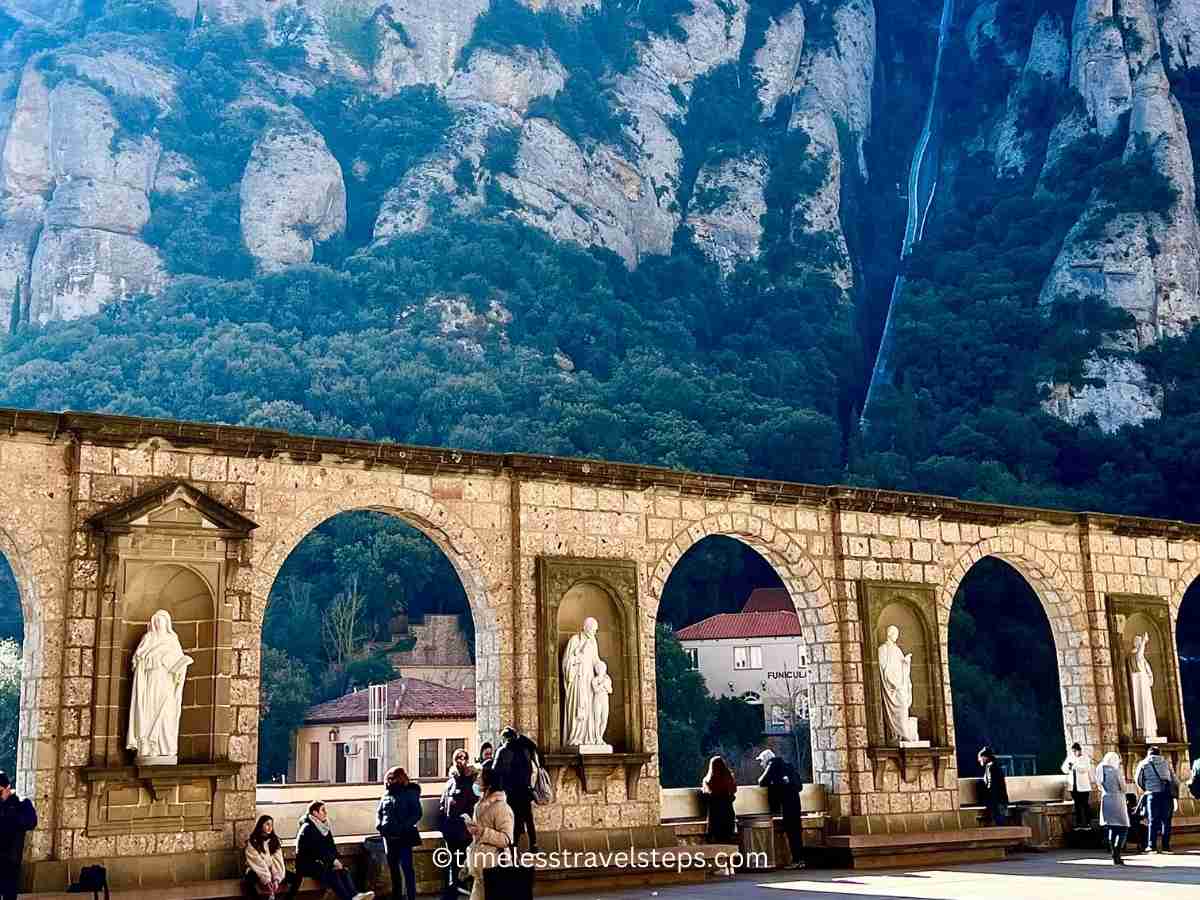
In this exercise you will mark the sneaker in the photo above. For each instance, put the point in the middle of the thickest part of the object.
(365, 895)
(1164, 850)
(797, 865)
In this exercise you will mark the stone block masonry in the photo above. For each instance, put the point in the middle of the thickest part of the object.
(90, 503)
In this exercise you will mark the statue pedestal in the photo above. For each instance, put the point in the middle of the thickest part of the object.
(1154, 740)
(593, 749)
(907, 744)
(157, 761)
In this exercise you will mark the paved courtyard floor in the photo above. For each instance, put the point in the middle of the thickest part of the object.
(1028, 876)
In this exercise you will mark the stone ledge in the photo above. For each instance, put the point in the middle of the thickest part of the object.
(880, 851)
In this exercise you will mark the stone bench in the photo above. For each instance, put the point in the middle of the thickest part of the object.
(659, 848)
(880, 851)
(226, 889)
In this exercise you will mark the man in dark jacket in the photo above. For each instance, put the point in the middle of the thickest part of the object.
(17, 817)
(317, 857)
(783, 796)
(514, 765)
(995, 787)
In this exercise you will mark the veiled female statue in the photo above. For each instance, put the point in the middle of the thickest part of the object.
(578, 671)
(895, 672)
(1141, 689)
(159, 668)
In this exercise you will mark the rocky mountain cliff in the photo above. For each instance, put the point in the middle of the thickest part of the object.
(639, 128)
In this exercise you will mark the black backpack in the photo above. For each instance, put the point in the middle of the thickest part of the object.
(93, 880)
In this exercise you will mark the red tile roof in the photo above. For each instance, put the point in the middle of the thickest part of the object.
(769, 600)
(742, 625)
(407, 698)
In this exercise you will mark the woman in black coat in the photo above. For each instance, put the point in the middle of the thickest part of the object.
(316, 855)
(397, 819)
(458, 800)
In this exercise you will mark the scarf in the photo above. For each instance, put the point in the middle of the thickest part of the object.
(322, 827)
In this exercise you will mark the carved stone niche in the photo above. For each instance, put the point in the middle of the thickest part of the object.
(1130, 615)
(174, 548)
(913, 609)
(569, 591)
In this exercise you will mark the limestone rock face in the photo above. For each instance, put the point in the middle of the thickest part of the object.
(293, 196)
(820, 213)
(76, 271)
(1179, 22)
(1147, 264)
(1047, 63)
(26, 164)
(508, 82)
(726, 210)
(492, 93)
(41, 13)
(75, 193)
(624, 198)
(777, 60)
(839, 77)
(422, 40)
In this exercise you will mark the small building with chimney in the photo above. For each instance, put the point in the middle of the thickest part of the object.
(424, 723)
(757, 654)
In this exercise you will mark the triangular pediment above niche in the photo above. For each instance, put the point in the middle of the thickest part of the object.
(174, 505)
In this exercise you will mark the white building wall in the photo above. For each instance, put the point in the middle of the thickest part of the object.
(783, 673)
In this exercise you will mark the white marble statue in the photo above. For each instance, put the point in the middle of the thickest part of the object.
(895, 671)
(159, 668)
(602, 688)
(578, 673)
(1141, 684)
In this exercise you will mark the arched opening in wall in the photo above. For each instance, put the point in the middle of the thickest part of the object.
(12, 637)
(368, 658)
(1187, 642)
(1004, 673)
(731, 666)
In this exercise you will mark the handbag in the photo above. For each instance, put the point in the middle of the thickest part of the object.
(508, 880)
(93, 879)
(543, 793)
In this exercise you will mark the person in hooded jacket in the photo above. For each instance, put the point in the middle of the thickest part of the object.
(17, 818)
(783, 795)
(515, 764)
(317, 858)
(397, 819)
(458, 799)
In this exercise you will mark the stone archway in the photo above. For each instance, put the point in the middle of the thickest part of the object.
(27, 547)
(461, 546)
(818, 620)
(1069, 627)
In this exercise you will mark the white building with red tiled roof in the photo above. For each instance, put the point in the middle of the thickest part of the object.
(425, 724)
(758, 654)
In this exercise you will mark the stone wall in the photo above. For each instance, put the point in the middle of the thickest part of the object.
(495, 517)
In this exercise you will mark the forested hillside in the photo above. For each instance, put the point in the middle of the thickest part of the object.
(662, 231)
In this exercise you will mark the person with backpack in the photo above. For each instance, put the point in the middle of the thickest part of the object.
(995, 787)
(516, 765)
(17, 818)
(783, 796)
(458, 799)
(397, 818)
(1155, 777)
